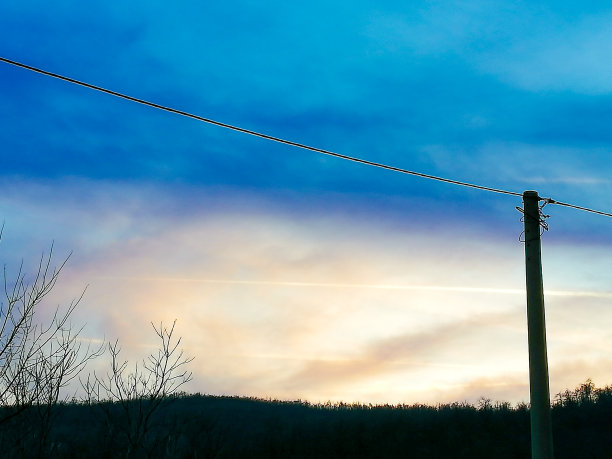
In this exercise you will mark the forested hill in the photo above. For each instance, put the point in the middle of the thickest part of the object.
(227, 427)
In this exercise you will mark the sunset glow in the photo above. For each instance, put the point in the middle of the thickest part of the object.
(294, 275)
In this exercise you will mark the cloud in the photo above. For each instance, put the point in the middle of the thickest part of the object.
(284, 303)
(407, 85)
(543, 47)
(293, 274)
(407, 349)
(571, 57)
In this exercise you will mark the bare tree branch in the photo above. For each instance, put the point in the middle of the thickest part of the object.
(142, 391)
(37, 360)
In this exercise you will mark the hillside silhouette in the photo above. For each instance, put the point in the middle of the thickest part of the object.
(204, 426)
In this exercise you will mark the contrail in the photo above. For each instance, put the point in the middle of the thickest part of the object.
(428, 288)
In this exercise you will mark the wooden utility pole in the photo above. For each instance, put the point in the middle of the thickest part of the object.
(539, 391)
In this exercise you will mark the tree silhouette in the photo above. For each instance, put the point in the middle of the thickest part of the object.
(37, 358)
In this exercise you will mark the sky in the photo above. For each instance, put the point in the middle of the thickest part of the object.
(294, 275)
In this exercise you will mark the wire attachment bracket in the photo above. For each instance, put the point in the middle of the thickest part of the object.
(541, 217)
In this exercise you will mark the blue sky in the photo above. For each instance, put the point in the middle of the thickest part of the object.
(294, 274)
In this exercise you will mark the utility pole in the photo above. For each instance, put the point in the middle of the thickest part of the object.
(539, 391)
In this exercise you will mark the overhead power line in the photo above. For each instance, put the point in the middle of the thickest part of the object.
(284, 141)
(254, 133)
(573, 206)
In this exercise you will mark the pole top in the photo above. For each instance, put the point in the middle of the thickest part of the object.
(531, 194)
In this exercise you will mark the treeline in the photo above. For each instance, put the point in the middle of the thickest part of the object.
(200, 426)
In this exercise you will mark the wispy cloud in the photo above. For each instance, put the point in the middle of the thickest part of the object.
(569, 57)
(424, 288)
(567, 180)
(406, 350)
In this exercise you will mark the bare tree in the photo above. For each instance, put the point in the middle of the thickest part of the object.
(37, 358)
(141, 392)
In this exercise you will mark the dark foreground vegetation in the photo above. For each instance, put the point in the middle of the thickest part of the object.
(197, 426)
